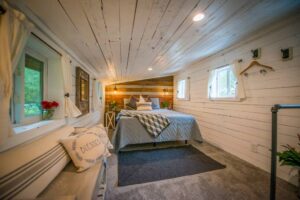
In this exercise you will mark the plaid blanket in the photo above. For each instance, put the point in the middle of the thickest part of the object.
(153, 123)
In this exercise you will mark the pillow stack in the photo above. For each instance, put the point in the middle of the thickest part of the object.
(87, 146)
(143, 105)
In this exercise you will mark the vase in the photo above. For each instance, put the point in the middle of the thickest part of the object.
(48, 114)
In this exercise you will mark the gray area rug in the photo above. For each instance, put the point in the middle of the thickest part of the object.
(143, 166)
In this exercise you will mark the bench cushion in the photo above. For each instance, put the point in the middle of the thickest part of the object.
(27, 169)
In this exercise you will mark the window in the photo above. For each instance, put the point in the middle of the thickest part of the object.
(222, 83)
(182, 89)
(29, 79)
(33, 83)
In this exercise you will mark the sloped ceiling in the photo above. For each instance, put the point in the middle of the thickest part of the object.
(121, 39)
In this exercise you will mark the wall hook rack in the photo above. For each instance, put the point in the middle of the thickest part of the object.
(255, 63)
(287, 54)
(256, 53)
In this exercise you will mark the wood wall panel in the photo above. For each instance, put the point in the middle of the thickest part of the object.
(244, 128)
(161, 88)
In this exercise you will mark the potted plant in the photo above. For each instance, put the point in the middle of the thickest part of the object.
(48, 109)
(165, 104)
(113, 106)
(291, 157)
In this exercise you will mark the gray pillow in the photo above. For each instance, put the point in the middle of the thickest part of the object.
(155, 103)
(132, 102)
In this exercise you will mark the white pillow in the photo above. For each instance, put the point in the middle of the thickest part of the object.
(141, 100)
(101, 130)
(79, 130)
(143, 105)
(85, 149)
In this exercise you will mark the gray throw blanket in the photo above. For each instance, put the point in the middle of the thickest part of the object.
(153, 123)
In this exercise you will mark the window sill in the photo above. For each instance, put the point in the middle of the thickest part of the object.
(29, 127)
(182, 99)
(31, 131)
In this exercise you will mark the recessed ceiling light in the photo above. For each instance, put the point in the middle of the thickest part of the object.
(149, 68)
(198, 17)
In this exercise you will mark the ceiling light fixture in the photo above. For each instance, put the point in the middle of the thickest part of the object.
(198, 17)
(150, 69)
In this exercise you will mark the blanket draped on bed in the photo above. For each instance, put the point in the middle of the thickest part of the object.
(153, 123)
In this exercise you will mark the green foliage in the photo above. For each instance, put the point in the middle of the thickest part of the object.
(165, 104)
(32, 92)
(290, 156)
(113, 106)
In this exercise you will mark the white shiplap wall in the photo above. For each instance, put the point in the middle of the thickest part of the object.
(238, 127)
(93, 116)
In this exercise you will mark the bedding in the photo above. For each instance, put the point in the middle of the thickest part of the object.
(154, 123)
(130, 131)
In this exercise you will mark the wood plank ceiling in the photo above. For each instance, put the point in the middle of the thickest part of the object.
(121, 39)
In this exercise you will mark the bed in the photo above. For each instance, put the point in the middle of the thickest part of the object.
(129, 130)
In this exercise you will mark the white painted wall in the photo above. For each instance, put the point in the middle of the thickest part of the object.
(237, 127)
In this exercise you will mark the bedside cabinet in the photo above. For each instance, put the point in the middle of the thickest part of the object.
(110, 119)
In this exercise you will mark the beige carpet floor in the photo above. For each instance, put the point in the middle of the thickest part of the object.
(239, 180)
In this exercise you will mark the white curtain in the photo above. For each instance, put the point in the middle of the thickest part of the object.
(211, 79)
(236, 69)
(96, 100)
(14, 33)
(71, 109)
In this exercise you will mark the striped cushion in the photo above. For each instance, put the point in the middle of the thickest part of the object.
(26, 170)
(144, 105)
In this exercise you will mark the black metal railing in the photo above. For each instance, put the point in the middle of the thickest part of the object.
(274, 111)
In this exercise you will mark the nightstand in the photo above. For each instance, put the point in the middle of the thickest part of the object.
(110, 118)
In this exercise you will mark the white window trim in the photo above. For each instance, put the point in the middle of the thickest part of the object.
(25, 133)
(187, 89)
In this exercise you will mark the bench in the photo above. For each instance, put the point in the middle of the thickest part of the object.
(70, 184)
(42, 169)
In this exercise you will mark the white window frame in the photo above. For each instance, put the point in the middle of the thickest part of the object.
(215, 79)
(186, 89)
(21, 93)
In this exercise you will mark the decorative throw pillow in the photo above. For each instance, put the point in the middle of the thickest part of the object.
(79, 130)
(155, 103)
(132, 102)
(142, 100)
(101, 130)
(85, 149)
(144, 105)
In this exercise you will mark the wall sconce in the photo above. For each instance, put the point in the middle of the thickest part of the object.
(165, 91)
(115, 89)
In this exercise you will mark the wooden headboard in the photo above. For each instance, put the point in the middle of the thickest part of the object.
(161, 88)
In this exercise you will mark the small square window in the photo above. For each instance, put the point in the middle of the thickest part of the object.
(182, 89)
(223, 83)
